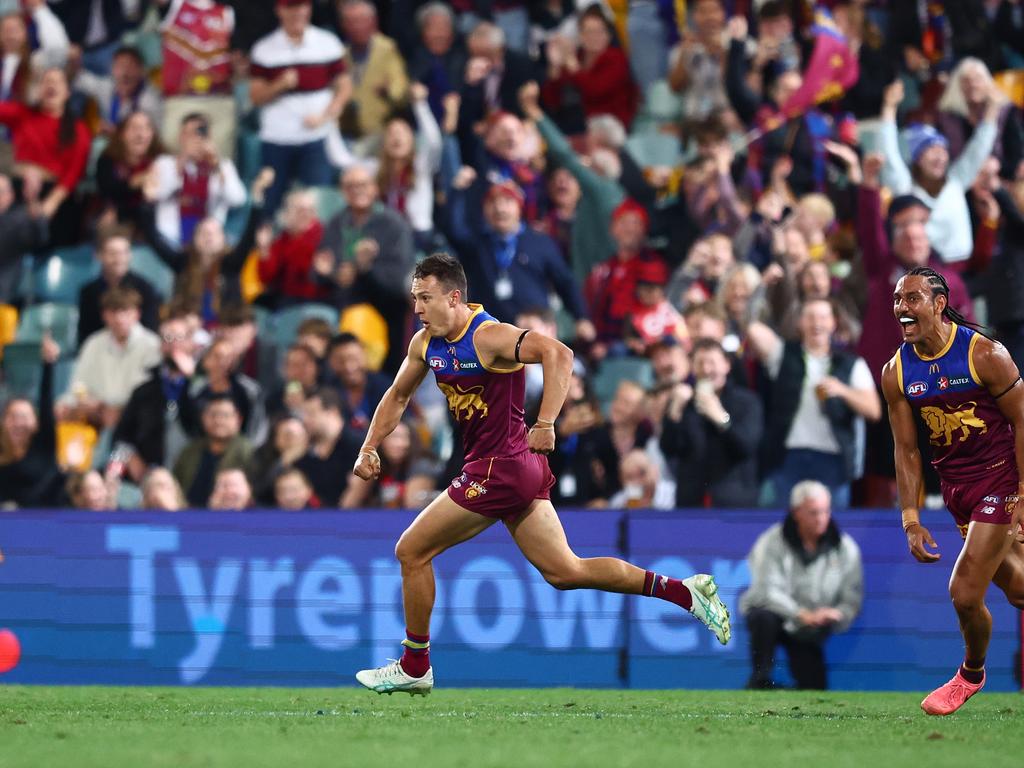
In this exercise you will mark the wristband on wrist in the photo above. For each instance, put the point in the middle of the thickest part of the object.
(911, 517)
(369, 450)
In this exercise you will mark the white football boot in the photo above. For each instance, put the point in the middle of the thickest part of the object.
(391, 677)
(708, 606)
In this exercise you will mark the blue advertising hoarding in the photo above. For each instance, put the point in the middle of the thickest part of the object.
(272, 598)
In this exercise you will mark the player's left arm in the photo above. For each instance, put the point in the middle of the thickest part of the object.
(999, 375)
(504, 346)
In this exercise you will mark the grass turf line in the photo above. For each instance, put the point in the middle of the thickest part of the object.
(97, 726)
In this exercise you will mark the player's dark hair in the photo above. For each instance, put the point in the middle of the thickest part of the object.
(939, 287)
(446, 268)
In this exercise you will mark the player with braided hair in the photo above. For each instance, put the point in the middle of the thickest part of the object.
(967, 391)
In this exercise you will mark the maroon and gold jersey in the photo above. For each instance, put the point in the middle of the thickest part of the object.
(969, 435)
(486, 402)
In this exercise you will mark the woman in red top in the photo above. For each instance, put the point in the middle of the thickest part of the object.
(286, 267)
(600, 71)
(49, 138)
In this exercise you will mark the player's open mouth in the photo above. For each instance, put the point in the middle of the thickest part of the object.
(909, 324)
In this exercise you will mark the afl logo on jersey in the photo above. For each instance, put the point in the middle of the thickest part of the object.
(438, 363)
(917, 388)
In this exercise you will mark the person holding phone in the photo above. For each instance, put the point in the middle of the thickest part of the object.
(194, 184)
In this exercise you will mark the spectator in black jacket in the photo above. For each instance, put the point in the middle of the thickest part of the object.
(439, 59)
(29, 476)
(711, 432)
(22, 230)
(96, 27)
(161, 416)
(332, 448)
(114, 252)
(1004, 280)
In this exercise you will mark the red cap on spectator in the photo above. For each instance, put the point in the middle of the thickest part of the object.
(507, 188)
(631, 206)
(654, 272)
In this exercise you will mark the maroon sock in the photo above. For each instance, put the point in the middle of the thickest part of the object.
(975, 674)
(415, 659)
(672, 590)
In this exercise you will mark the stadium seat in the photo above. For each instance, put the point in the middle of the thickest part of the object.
(146, 264)
(615, 370)
(654, 149)
(76, 444)
(249, 278)
(80, 255)
(8, 325)
(1011, 82)
(286, 322)
(329, 201)
(56, 280)
(61, 320)
(23, 371)
(365, 322)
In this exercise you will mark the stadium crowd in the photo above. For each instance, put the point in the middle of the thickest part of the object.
(210, 212)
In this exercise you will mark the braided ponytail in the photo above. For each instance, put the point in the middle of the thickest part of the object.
(939, 287)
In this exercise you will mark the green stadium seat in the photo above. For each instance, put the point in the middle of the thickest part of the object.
(56, 280)
(615, 370)
(23, 371)
(285, 323)
(61, 320)
(79, 255)
(146, 264)
(329, 202)
(654, 149)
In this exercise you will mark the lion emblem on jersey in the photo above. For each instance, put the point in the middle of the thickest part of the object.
(465, 403)
(945, 424)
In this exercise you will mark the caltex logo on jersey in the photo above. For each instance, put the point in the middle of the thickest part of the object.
(917, 388)
(943, 382)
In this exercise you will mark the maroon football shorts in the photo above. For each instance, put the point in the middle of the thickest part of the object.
(502, 487)
(983, 499)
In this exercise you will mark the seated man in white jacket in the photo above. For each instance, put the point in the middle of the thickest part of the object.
(806, 583)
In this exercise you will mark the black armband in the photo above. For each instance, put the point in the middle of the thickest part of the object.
(520, 343)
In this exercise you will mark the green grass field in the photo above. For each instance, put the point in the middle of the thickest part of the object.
(479, 728)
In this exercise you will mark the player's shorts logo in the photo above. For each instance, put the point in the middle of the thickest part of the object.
(458, 481)
(988, 510)
(992, 499)
(438, 363)
(944, 424)
(475, 490)
(917, 388)
(464, 403)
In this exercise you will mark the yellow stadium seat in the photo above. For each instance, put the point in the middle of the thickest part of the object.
(249, 278)
(365, 322)
(1011, 82)
(75, 444)
(8, 325)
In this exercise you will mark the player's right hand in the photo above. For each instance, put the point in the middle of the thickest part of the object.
(367, 465)
(919, 539)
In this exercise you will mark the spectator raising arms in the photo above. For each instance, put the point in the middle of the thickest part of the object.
(29, 476)
(599, 71)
